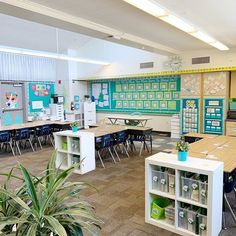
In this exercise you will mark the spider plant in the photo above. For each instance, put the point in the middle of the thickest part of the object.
(47, 205)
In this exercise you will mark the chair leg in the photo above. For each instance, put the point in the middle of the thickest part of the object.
(31, 145)
(18, 148)
(114, 148)
(126, 151)
(40, 144)
(51, 140)
(141, 149)
(11, 147)
(230, 208)
(101, 159)
(111, 155)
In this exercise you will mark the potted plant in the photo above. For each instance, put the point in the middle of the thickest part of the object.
(183, 148)
(47, 205)
(74, 126)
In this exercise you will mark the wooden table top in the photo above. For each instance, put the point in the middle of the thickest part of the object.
(33, 124)
(199, 135)
(221, 148)
(111, 129)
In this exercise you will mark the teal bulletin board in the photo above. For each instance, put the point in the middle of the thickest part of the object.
(40, 91)
(146, 95)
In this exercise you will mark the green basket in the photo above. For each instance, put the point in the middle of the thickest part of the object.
(158, 208)
(64, 146)
(232, 105)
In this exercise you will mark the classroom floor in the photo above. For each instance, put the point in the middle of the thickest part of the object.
(120, 197)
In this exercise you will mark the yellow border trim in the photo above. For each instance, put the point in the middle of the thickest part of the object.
(154, 74)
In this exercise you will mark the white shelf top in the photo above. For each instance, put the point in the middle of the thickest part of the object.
(192, 164)
(70, 133)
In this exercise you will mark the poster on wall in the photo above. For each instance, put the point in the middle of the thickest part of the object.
(190, 115)
(214, 115)
(39, 92)
(147, 95)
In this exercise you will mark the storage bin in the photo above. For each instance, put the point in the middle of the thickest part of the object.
(182, 218)
(194, 189)
(160, 181)
(171, 184)
(164, 182)
(192, 218)
(186, 182)
(203, 192)
(158, 207)
(64, 146)
(156, 180)
(170, 214)
(202, 224)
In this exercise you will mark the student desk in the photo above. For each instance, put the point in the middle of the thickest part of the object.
(193, 137)
(142, 120)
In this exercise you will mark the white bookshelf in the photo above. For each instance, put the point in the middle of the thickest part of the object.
(207, 197)
(75, 147)
(89, 114)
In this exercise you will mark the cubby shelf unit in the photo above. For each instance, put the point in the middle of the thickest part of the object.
(214, 172)
(75, 147)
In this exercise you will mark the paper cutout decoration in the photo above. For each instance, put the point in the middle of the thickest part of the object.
(11, 100)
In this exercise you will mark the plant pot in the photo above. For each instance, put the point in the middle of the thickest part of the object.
(182, 156)
(74, 129)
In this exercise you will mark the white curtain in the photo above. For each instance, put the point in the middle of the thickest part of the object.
(26, 68)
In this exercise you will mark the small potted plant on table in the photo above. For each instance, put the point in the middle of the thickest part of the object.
(74, 126)
(183, 148)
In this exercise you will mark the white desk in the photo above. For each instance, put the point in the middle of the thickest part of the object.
(142, 120)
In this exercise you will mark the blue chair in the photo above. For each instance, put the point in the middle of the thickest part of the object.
(22, 136)
(120, 139)
(6, 140)
(102, 145)
(43, 133)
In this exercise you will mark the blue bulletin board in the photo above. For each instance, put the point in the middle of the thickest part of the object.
(40, 91)
(214, 115)
(190, 115)
(146, 95)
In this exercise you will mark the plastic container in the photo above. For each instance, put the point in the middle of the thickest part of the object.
(194, 188)
(158, 208)
(160, 181)
(186, 182)
(203, 192)
(202, 223)
(170, 214)
(192, 218)
(171, 180)
(182, 218)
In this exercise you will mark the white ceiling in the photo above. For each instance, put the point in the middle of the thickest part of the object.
(136, 27)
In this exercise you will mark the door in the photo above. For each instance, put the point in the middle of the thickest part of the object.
(12, 103)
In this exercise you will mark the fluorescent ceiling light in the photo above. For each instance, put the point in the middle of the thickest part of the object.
(219, 45)
(152, 8)
(50, 55)
(204, 37)
(148, 6)
(178, 23)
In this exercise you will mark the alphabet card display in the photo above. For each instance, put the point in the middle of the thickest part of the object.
(190, 115)
(214, 115)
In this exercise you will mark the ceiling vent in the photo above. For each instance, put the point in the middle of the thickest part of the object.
(146, 65)
(200, 60)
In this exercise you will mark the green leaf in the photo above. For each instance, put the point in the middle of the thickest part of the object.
(32, 230)
(59, 229)
(30, 187)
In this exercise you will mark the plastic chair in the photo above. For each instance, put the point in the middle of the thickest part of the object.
(104, 144)
(120, 139)
(140, 136)
(44, 132)
(229, 186)
(6, 140)
(20, 136)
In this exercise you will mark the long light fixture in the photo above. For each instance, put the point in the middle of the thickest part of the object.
(152, 8)
(27, 52)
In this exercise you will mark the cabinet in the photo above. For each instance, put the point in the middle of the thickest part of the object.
(74, 147)
(184, 197)
(89, 113)
(230, 128)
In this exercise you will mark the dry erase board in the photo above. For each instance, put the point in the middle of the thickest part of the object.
(146, 95)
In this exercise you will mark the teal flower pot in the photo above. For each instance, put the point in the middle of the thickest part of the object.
(74, 129)
(182, 156)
